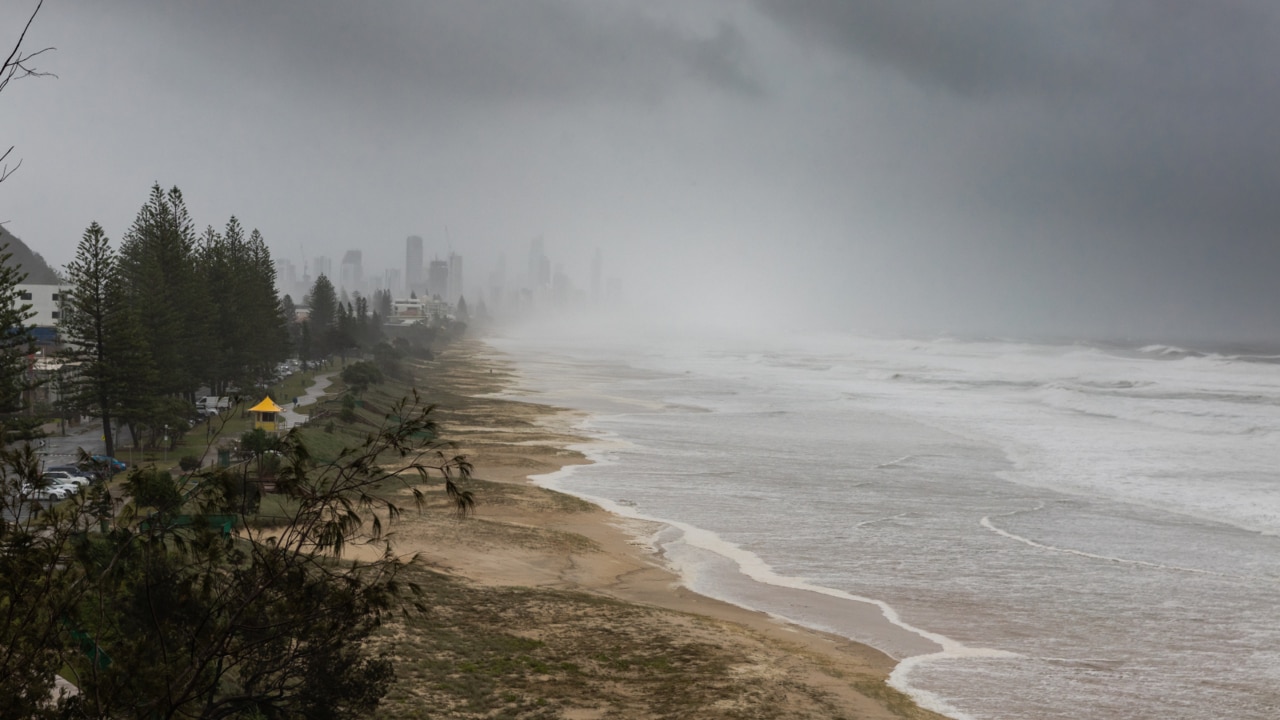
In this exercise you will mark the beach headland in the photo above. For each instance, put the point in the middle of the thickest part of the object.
(544, 605)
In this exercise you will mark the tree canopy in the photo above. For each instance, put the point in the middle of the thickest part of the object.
(165, 613)
(169, 313)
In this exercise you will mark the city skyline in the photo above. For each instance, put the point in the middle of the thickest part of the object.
(545, 284)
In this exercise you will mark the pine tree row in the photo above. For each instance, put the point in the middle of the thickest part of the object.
(170, 312)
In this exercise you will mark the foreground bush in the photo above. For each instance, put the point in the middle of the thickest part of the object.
(170, 613)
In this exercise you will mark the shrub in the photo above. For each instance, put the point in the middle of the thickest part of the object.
(360, 375)
(388, 359)
(153, 488)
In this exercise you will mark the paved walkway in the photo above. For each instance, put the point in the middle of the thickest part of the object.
(293, 418)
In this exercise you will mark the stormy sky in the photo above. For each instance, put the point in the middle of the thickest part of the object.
(1066, 169)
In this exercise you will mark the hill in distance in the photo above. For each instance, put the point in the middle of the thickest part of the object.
(37, 270)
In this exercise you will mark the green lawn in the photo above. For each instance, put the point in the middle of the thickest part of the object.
(203, 439)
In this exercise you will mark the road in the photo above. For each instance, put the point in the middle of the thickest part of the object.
(64, 449)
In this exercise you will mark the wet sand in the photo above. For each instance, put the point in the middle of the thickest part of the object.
(525, 536)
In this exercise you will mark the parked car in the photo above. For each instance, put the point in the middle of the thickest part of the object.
(73, 470)
(65, 477)
(52, 491)
(112, 464)
(213, 404)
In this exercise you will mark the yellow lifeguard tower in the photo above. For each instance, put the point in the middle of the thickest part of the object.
(265, 414)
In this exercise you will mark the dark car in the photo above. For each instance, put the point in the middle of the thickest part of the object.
(100, 463)
(112, 464)
(73, 469)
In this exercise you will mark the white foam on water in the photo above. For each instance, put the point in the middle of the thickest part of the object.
(986, 523)
(749, 564)
(1133, 518)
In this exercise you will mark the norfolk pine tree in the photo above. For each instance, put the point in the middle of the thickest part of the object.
(115, 376)
(270, 341)
(16, 348)
(157, 265)
(322, 321)
(91, 310)
(249, 337)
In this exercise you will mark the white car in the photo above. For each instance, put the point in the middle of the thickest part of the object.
(53, 490)
(63, 477)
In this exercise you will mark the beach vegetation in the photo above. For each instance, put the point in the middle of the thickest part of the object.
(360, 375)
(184, 606)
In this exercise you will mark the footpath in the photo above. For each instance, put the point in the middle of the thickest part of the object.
(293, 418)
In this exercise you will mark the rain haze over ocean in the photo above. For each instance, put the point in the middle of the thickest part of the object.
(965, 313)
(1099, 169)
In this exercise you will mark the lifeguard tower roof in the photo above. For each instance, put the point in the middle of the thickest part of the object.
(266, 406)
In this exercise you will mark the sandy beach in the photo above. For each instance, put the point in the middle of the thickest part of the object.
(540, 563)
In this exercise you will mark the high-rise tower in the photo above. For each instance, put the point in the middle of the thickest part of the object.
(455, 278)
(352, 272)
(413, 267)
(438, 279)
(539, 267)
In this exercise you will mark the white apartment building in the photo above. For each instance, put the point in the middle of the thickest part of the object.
(46, 303)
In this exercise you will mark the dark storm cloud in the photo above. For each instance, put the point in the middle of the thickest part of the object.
(1148, 49)
(1128, 139)
(1149, 113)
(969, 48)
(546, 50)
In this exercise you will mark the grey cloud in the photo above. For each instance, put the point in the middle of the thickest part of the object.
(1152, 49)
(541, 50)
(1128, 147)
(971, 48)
(1158, 114)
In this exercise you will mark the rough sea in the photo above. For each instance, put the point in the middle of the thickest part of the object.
(1035, 531)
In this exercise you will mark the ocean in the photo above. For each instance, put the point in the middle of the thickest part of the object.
(1034, 531)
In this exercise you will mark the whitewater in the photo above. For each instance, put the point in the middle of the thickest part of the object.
(1034, 531)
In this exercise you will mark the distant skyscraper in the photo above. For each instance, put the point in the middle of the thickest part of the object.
(286, 277)
(322, 266)
(413, 266)
(391, 282)
(352, 272)
(498, 283)
(539, 267)
(455, 278)
(438, 279)
(561, 288)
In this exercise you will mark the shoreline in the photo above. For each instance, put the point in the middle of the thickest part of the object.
(528, 535)
(862, 620)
